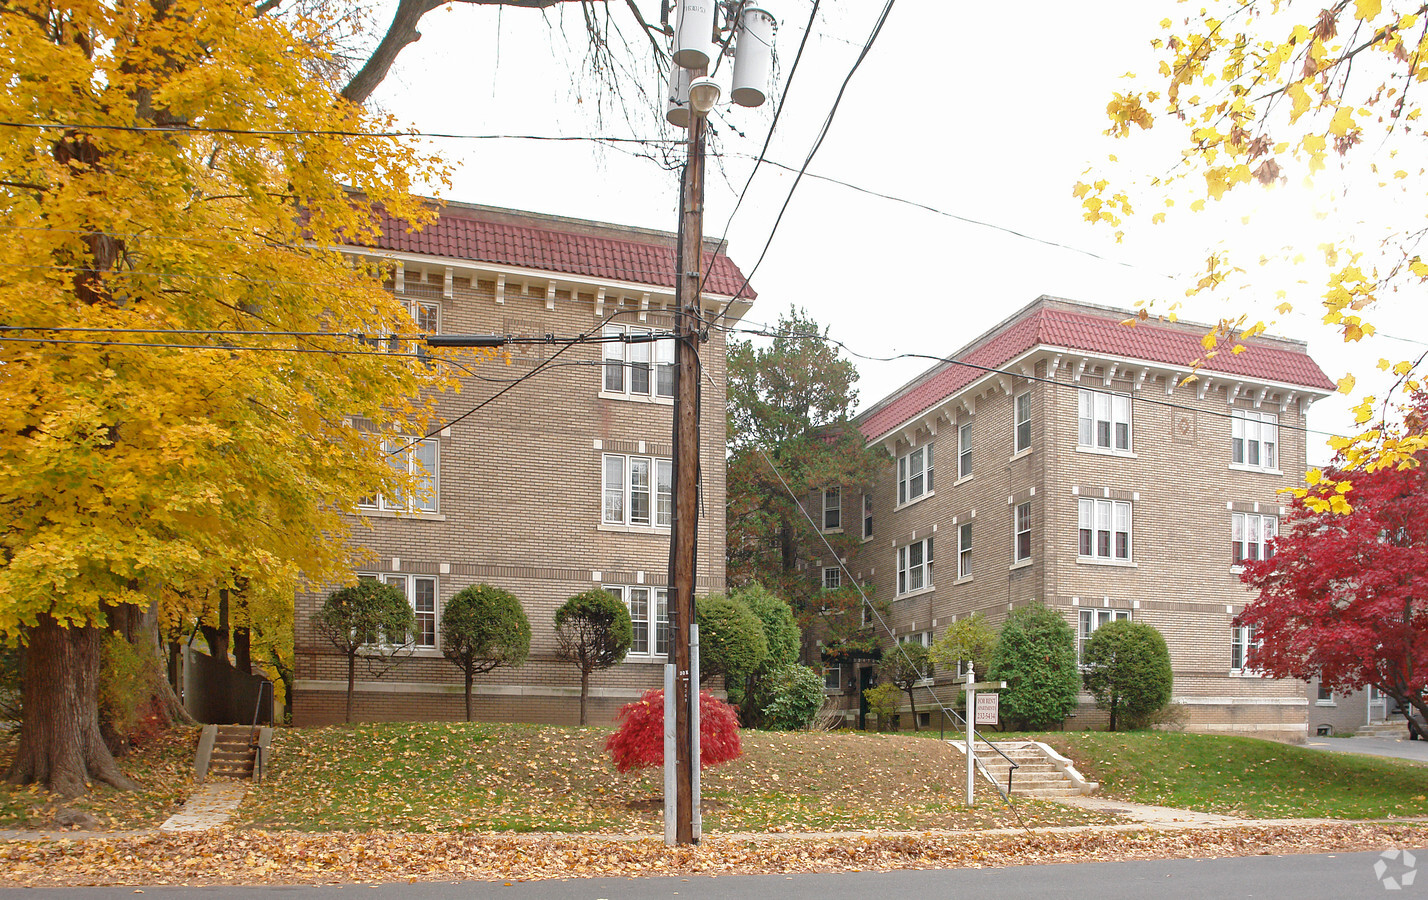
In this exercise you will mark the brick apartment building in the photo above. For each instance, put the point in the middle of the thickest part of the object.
(560, 485)
(1065, 463)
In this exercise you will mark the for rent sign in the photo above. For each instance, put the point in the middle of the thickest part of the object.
(986, 711)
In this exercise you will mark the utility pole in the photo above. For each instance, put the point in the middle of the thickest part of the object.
(684, 539)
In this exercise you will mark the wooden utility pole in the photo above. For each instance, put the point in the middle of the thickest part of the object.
(684, 539)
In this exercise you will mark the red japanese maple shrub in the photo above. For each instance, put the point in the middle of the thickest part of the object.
(639, 741)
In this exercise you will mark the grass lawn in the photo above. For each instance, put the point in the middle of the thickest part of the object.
(163, 767)
(1245, 776)
(426, 777)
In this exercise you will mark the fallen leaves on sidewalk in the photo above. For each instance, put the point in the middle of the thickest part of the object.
(254, 857)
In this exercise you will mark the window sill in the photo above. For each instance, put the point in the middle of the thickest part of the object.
(963, 480)
(646, 658)
(1023, 564)
(838, 530)
(1107, 451)
(917, 593)
(402, 652)
(394, 514)
(1021, 454)
(1113, 563)
(634, 529)
(1329, 703)
(636, 398)
(918, 499)
(867, 538)
(1259, 470)
(965, 579)
(1245, 673)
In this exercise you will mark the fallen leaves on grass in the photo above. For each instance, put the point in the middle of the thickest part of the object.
(228, 857)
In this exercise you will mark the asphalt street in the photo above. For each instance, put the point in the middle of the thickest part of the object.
(1416, 751)
(1392, 875)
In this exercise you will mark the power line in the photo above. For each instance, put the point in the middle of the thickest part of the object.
(298, 132)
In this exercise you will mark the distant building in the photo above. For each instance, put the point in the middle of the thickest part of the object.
(558, 486)
(1062, 460)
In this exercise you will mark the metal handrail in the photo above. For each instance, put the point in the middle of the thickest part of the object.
(978, 736)
(253, 743)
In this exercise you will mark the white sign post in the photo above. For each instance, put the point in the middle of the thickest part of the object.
(973, 717)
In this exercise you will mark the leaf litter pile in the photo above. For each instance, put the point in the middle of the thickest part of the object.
(254, 857)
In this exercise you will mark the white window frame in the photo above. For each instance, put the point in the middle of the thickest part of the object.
(407, 584)
(1111, 518)
(833, 678)
(919, 476)
(1103, 422)
(617, 497)
(1021, 423)
(404, 455)
(832, 578)
(964, 551)
(1021, 525)
(1088, 620)
(1242, 638)
(833, 509)
(964, 451)
(1250, 534)
(867, 516)
(909, 571)
(625, 363)
(918, 637)
(1254, 441)
(649, 617)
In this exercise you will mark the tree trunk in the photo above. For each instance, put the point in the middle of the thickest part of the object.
(217, 636)
(912, 706)
(1115, 701)
(60, 744)
(351, 681)
(468, 694)
(243, 650)
(584, 693)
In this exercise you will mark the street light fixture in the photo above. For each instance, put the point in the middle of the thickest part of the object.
(704, 93)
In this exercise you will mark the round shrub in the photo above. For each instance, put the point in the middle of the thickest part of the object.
(731, 642)
(796, 696)
(639, 741)
(1036, 656)
(1128, 671)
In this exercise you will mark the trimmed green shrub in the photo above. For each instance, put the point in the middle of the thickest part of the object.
(1036, 657)
(969, 639)
(1128, 671)
(796, 696)
(482, 628)
(784, 640)
(731, 642)
(368, 618)
(594, 631)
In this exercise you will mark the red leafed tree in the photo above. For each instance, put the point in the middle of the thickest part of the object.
(639, 741)
(1344, 597)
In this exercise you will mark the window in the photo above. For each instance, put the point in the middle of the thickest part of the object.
(1324, 696)
(427, 316)
(914, 475)
(964, 451)
(833, 678)
(867, 516)
(1250, 536)
(832, 509)
(832, 578)
(1022, 549)
(646, 619)
(914, 566)
(964, 551)
(421, 594)
(639, 490)
(417, 459)
(1091, 619)
(1104, 421)
(640, 369)
(920, 637)
(1242, 638)
(1254, 440)
(1023, 423)
(1105, 529)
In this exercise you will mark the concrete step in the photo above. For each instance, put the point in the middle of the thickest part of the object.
(1383, 729)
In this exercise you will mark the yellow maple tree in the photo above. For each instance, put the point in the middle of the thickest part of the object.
(179, 401)
(1263, 95)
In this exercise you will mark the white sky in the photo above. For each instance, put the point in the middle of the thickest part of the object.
(989, 112)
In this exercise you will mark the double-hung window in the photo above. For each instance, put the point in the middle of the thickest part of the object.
(637, 368)
(1254, 440)
(832, 678)
(417, 459)
(1021, 548)
(964, 451)
(649, 616)
(832, 578)
(1091, 619)
(914, 475)
(867, 516)
(1022, 422)
(1105, 530)
(964, 550)
(914, 566)
(1250, 536)
(833, 509)
(1242, 638)
(421, 594)
(639, 490)
(1104, 421)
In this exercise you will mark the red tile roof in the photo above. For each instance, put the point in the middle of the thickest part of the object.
(532, 242)
(1093, 333)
